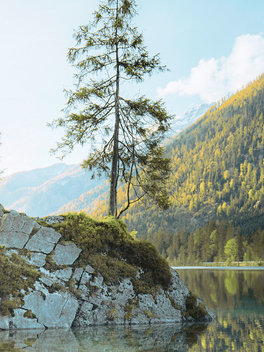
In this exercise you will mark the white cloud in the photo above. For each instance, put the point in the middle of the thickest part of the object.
(214, 78)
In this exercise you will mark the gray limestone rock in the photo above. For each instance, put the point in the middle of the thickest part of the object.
(89, 269)
(37, 259)
(90, 314)
(63, 274)
(2, 210)
(97, 281)
(77, 274)
(85, 278)
(19, 321)
(85, 315)
(57, 310)
(41, 288)
(46, 281)
(66, 254)
(43, 241)
(4, 322)
(105, 305)
(15, 229)
(177, 290)
(93, 301)
(164, 310)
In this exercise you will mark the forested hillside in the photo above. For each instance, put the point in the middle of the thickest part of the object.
(217, 173)
(217, 169)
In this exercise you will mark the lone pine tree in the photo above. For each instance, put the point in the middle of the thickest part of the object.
(125, 134)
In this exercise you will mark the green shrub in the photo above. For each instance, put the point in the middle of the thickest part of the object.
(113, 252)
(198, 312)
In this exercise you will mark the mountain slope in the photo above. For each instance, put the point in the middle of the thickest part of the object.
(61, 188)
(217, 169)
(42, 191)
(95, 201)
(88, 201)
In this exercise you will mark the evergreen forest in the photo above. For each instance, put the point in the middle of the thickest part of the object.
(216, 187)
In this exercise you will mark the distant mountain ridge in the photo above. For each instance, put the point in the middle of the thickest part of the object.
(188, 118)
(60, 188)
(40, 192)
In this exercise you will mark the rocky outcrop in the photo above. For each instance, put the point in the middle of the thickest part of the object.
(66, 294)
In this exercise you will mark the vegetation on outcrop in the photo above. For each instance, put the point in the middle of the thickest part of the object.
(195, 309)
(114, 253)
(16, 278)
(128, 309)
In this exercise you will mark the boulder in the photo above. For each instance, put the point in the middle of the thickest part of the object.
(66, 254)
(15, 229)
(55, 310)
(43, 241)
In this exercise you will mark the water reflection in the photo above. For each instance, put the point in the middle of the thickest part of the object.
(242, 334)
(238, 300)
(227, 289)
(157, 338)
(236, 297)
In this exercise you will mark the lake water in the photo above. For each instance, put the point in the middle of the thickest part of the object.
(237, 298)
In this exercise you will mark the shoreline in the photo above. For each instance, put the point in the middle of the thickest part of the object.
(188, 267)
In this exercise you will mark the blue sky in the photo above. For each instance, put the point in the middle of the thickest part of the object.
(212, 48)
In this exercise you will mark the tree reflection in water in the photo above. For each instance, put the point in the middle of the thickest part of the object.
(226, 289)
(236, 297)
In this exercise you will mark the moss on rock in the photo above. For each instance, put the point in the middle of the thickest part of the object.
(128, 309)
(114, 252)
(194, 309)
(28, 314)
(112, 313)
(16, 275)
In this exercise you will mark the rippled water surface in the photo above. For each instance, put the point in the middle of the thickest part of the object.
(237, 298)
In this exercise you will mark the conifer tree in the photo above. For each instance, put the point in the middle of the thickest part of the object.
(109, 54)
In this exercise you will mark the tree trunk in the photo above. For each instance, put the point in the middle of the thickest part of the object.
(115, 158)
